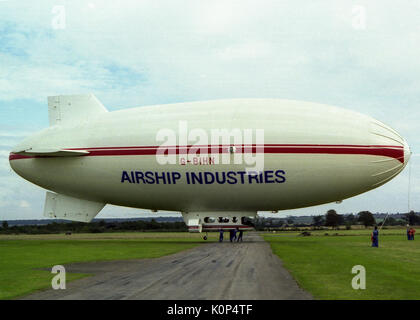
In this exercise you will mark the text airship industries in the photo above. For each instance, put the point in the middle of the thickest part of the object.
(206, 177)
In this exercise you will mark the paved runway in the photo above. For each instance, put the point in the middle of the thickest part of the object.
(217, 271)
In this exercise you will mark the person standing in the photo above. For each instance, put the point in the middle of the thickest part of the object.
(231, 235)
(221, 235)
(411, 232)
(234, 235)
(408, 232)
(375, 237)
(240, 235)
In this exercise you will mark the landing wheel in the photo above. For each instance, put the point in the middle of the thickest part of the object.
(205, 237)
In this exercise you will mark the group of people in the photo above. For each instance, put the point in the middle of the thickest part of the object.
(234, 235)
(375, 235)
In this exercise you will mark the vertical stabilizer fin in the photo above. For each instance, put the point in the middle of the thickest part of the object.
(73, 109)
(59, 206)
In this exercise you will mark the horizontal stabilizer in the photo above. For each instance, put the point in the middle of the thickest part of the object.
(51, 152)
(73, 109)
(59, 206)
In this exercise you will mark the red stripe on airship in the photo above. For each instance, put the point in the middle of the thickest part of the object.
(396, 152)
(220, 226)
(14, 156)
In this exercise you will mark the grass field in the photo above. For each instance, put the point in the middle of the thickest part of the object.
(23, 256)
(322, 264)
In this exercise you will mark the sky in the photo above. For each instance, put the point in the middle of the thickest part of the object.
(361, 55)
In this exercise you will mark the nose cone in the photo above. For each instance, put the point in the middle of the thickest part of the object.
(407, 153)
(396, 153)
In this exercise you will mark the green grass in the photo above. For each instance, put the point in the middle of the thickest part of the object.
(21, 256)
(322, 264)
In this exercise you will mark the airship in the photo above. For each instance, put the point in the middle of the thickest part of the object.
(218, 162)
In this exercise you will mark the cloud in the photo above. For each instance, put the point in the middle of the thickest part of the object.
(247, 51)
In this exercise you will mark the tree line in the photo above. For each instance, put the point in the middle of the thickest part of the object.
(333, 219)
(366, 218)
(330, 219)
(94, 227)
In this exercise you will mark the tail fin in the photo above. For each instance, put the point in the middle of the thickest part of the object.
(72, 109)
(59, 206)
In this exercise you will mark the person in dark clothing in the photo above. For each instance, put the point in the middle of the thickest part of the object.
(221, 235)
(234, 235)
(408, 233)
(240, 235)
(375, 237)
(231, 235)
